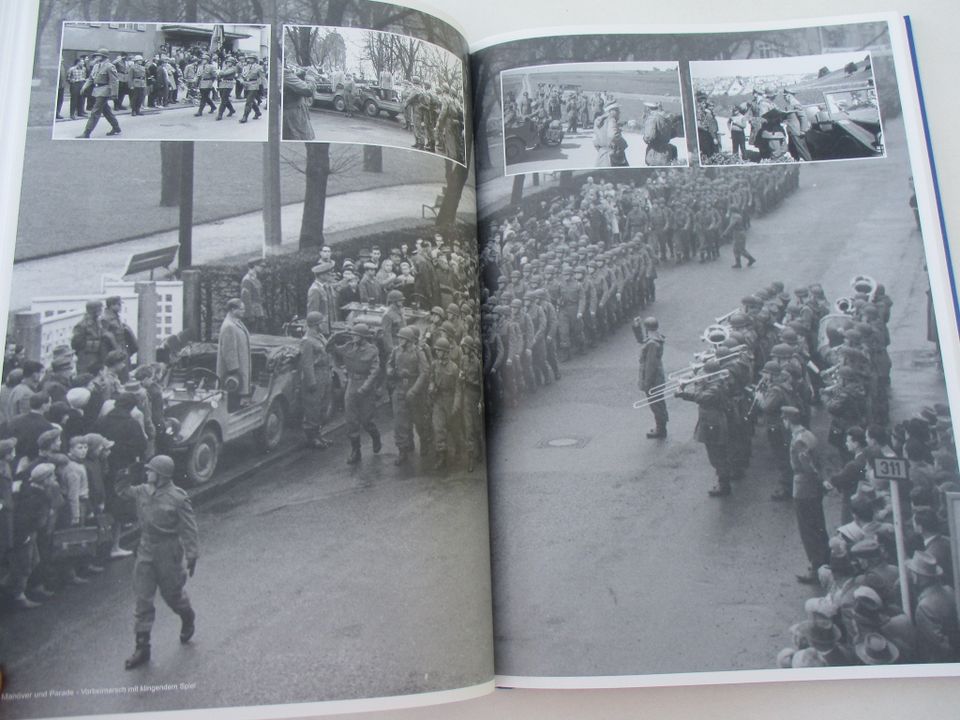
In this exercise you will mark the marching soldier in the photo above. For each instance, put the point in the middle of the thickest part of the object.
(447, 399)
(208, 77)
(166, 554)
(315, 375)
(103, 84)
(252, 76)
(651, 374)
(226, 79)
(735, 231)
(712, 404)
(408, 372)
(361, 359)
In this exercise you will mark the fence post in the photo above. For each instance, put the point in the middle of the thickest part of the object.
(28, 331)
(146, 322)
(191, 303)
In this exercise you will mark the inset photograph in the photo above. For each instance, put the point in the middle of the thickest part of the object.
(350, 85)
(581, 116)
(159, 81)
(789, 109)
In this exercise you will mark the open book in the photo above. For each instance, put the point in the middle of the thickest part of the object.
(349, 366)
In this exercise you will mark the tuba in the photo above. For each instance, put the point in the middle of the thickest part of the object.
(866, 285)
(716, 334)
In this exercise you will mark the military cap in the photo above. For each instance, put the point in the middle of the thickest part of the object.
(503, 280)
(801, 291)
(369, 266)
(7, 445)
(453, 309)
(113, 300)
(516, 303)
(441, 343)
(738, 319)
(102, 52)
(651, 323)
(790, 412)
(231, 60)
(58, 363)
(48, 438)
(750, 301)
(94, 305)
(325, 267)
(782, 350)
(407, 333)
(138, 58)
(42, 471)
(580, 269)
(788, 335)
(162, 465)
(436, 310)
(394, 296)
(448, 328)
(314, 318)
(63, 351)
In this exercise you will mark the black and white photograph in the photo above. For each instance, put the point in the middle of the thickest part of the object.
(701, 385)
(576, 116)
(241, 453)
(787, 109)
(346, 84)
(162, 81)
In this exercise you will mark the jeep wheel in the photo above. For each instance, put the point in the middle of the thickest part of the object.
(371, 109)
(272, 431)
(514, 149)
(203, 457)
(338, 104)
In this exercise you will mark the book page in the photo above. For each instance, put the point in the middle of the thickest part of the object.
(718, 368)
(241, 431)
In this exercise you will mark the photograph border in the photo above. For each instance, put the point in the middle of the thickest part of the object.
(683, 117)
(693, 98)
(465, 69)
(266, 125)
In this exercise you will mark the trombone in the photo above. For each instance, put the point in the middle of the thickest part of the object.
(661, 392)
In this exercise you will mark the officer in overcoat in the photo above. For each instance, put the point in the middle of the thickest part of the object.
(103, 84)
(361, 359)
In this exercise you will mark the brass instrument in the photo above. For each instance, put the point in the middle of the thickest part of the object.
(661, 392)
(866, 285)
(843, 305)
(830, 372)
(725, 317)
(716, 334)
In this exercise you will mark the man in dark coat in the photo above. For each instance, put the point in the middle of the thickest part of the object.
(712, 403)
(651, 375)
(298, 90)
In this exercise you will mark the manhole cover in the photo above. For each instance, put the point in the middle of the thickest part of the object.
(564, 442)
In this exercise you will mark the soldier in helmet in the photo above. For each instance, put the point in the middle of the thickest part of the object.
(315, 377)
(392, 321)
(411, 111)
(167, 552)
(361, 359)
(447, 399)
(651, 374)
(226, 79)
(408, 372)
(207, 74)
(89, 340)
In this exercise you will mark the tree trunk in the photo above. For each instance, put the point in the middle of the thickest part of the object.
(456, 179)
(373, 158)
(170, 156)
(517, 195)
(272, 200)
(315, 194)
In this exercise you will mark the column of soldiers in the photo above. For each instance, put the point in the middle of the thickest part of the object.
(155, 83)
(429, 369)
(435, 116)
(562, 279)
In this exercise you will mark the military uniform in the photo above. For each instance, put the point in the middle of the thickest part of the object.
(808, 496)
(138, 87)
(225, 82)
(408, 373)
(208, 77)
(89, 343)
(251, 293)
(104, 84)
(447, 402)
(252, 77)
(315, 378)
(712, 430)
(651, 376)
(362, 364)
(168, 538)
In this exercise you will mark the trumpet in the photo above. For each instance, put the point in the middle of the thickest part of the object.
(661, 392)
(866, 285)
(725, 317)
(702, 358)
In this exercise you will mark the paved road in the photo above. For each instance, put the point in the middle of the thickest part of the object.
(172, 124)
(316, 582)
(333, 126)
(576, 152)
(610, 558)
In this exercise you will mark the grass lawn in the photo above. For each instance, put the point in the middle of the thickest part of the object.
(81, 194)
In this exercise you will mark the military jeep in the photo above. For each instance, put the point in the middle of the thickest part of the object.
(529, 135)
(198, 418)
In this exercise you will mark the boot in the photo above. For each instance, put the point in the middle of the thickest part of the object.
(377, 445)
(115, 131)
(141, 653)
(354, 458)
(187, 627)
(658, 433)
